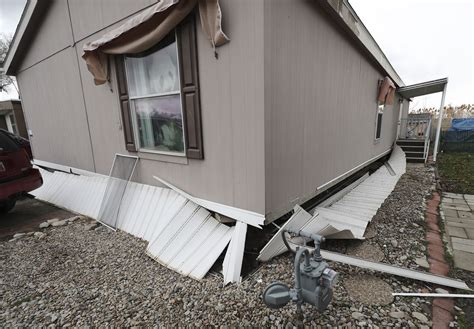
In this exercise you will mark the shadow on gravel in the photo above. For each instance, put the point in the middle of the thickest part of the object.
(27, 215)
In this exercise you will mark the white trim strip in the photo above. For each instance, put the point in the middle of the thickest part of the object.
(416, 294)
(242, 215)
(67, 169)
(234, 256)
(394, 270)
(350, 172)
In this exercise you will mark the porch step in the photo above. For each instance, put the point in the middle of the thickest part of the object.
(410, 142)
(419, 160)
(415, 149)
(410, 154)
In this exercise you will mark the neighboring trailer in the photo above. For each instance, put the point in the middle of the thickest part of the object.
(288, 106)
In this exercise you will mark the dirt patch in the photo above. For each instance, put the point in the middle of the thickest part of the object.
(368, 289)
(27, 215)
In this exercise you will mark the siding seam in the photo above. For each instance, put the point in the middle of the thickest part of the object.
(82, 88)
(42, 60)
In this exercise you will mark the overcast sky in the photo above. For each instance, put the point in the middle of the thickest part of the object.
(10, 13)
(423, 39)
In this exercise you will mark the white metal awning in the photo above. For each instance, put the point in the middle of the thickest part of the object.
(424, 88)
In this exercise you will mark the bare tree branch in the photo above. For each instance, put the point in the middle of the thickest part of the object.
(5, 80)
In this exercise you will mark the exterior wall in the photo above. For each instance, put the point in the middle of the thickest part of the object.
(54, 109)
(3, 123)
(9, 107)
(78, 124)
(53, 35)
(320, 104)
(20, 119)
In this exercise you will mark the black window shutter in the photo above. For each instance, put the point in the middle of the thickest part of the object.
(187, 47)
(125, 104)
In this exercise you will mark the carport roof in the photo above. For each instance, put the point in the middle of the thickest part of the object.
(424, 88)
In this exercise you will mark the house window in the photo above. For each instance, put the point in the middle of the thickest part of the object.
(11, 124)
(378, 121)
(155, 97)
(158, 91)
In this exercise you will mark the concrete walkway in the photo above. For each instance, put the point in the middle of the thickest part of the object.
(458, 211)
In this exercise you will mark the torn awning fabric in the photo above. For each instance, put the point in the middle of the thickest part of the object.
(149, 27)
(386, 92)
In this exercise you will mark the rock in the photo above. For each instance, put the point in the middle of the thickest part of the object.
(52, 318)
(90, 227)
(422, 262)
(357, 315)
(51, 221)
(40, 235)
(397, 315)
(403, 258)
(44, 225)
(72, 219)
(420, 316)
(405, 289)
(394, 243)
(441, 291)
(59, 223)
(18, 235)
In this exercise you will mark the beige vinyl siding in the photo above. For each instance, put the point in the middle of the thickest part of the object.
(65, 105)
(90, 16)
(54, 107)
(53, 35)
(320, 103)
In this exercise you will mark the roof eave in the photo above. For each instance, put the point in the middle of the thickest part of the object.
(359, 33)
(30, 18)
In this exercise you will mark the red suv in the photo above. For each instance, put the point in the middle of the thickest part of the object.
(17, 175)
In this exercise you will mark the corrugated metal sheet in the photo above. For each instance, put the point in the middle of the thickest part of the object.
(191, 241)
(80, 194)
(347, 217)
(232, 265)
(183, 235)
(242, 215)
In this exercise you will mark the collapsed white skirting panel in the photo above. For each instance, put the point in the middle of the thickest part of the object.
(181, 234)
(242, 215)
(348, 216)
(234, 256)
(80, 194)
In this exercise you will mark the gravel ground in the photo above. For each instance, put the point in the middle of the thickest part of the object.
(76, 276)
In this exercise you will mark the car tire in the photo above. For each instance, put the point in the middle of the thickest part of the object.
(7, 205)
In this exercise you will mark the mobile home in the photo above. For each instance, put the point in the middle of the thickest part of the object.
(254, 105)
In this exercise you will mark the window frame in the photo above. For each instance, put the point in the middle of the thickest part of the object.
(190, 95)
(380, 110)
(172, 93)
(12, 126)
